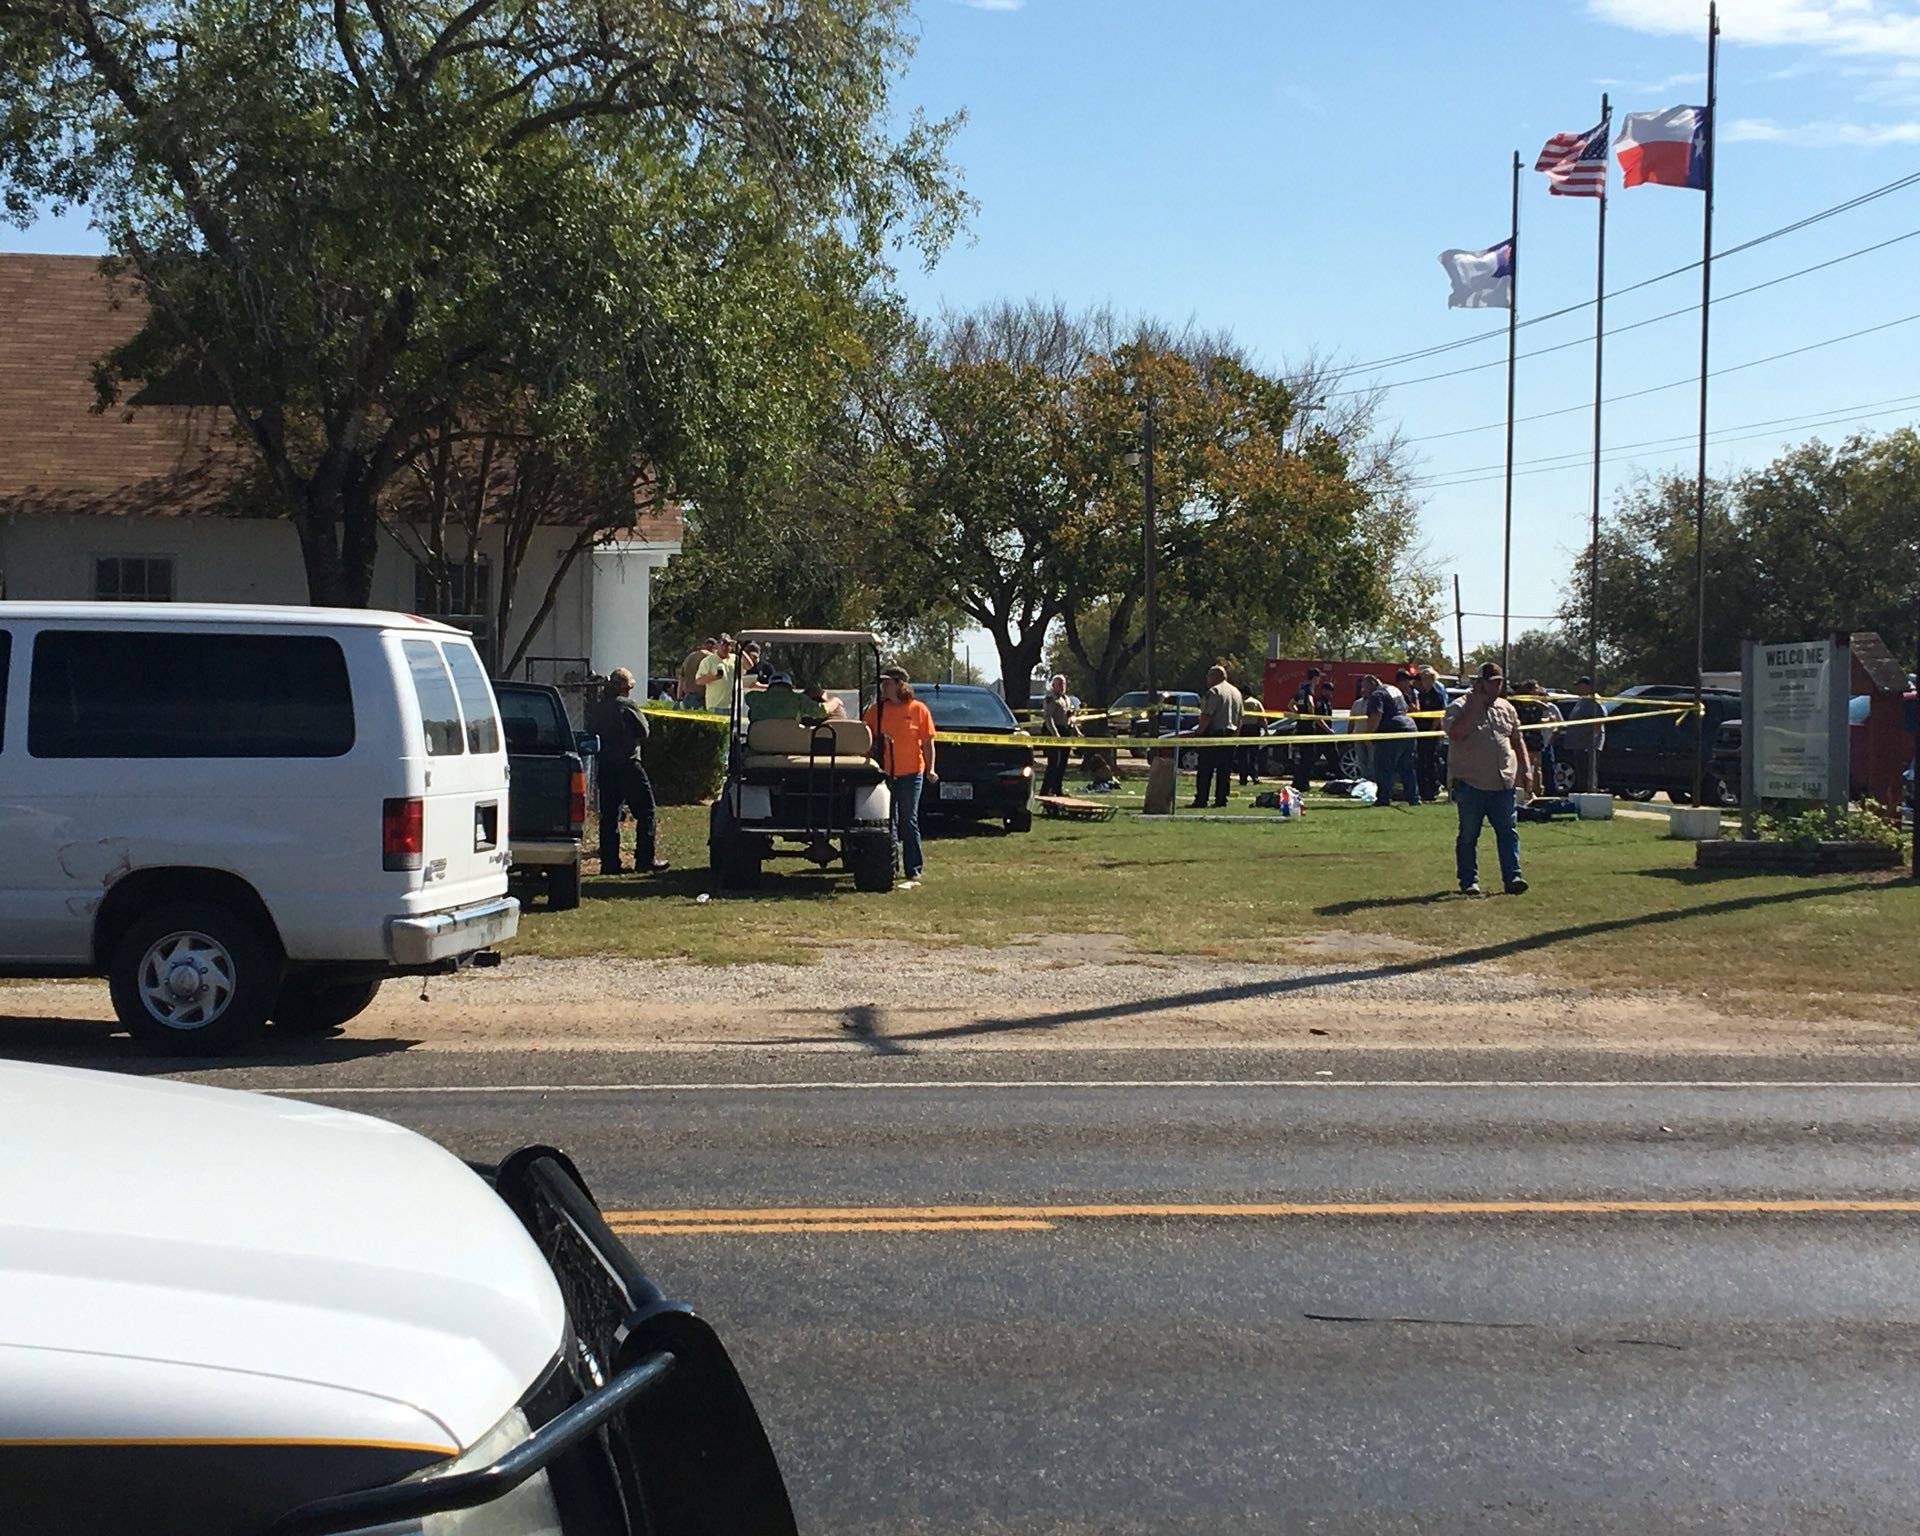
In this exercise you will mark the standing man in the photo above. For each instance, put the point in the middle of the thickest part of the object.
(622, 728)
(1430, 704)
(1059, 722)
(1583, 743)
(688, 693)
(715, 676)
(1486, 757)
(1312, 728)
(903, 737)
(1393, 754)
(1253, 726)
(1221, 707)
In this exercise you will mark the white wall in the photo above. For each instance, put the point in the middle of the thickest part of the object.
(243, 560)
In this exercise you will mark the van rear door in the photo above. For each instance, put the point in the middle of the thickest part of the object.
(463, 826)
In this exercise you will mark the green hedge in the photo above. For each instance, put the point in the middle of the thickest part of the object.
(685, 759)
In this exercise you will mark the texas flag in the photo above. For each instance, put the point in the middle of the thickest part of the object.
(1664, 149)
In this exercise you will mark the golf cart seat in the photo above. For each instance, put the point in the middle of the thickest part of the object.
(839, 744)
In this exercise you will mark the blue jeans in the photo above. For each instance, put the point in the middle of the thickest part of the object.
(1476, 806)
(906, 789)
(1394, 760)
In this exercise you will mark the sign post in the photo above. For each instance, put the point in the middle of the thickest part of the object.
(1749, 756)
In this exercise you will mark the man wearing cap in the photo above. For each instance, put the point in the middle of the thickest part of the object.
(1430, 704)
(1581, 744)
(1486, 758)
(903, 740)
(715, 676)
(688, 693)
(622, 771)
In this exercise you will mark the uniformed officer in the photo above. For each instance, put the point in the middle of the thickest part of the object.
(622, 728)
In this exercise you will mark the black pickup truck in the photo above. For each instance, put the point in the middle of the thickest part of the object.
(547, 790)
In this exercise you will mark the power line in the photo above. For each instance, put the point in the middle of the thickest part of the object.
(1617, 330)
(1692, 378)
(1584, 456)
(1718, 442)
(1401, 359)
(1690, 309)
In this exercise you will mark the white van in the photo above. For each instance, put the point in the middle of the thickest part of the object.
(238, 813)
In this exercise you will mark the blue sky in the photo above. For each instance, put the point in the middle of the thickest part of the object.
(1291, 171)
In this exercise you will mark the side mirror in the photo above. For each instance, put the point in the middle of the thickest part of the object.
(586, 744)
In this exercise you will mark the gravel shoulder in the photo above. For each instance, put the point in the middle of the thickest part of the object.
(1068, 993)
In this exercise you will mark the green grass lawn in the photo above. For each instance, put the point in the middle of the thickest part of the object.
(1612, 902)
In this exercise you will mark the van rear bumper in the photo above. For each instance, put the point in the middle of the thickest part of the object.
(447, 935)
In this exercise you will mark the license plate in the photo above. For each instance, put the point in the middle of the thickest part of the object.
(955, 791)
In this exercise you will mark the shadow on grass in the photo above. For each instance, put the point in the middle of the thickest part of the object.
(102, 1044)
(1379, 903)
(1253, 991)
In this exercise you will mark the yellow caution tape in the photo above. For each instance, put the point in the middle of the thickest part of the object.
(1163, 743)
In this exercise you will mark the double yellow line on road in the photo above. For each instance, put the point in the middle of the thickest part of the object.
(1043, 1218)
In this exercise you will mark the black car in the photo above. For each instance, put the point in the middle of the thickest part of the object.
(976, 781)
(1642, 757)
(546, 790)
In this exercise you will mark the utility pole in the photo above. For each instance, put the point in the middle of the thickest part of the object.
(1152, 541)
(1459, 631)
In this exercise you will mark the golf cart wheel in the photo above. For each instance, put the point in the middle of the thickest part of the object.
(1020, 820)
(193, 979)
(869, 855)
(310, 1008)
(732, 856)
(563, 887)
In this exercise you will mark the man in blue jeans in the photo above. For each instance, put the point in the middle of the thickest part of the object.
(1486, 757)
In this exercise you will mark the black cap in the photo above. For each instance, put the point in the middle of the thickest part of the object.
(1490, 669)
(1313, 671)
(1583, 682)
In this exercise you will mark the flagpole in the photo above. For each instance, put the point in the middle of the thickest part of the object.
(1700, 472)
(1599, 352)
(1513, 310)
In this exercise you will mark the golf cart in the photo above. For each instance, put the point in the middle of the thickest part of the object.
(798, 782)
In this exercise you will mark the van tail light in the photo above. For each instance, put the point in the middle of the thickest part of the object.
(403, 834)
(577, 801)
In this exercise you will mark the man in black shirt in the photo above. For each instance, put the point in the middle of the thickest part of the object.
(622, 728)
(1430, 701)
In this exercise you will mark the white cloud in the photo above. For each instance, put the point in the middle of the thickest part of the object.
(1654, 87)
(1883, 28)
(1823, 135)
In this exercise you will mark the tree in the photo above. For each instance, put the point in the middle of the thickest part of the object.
(351, 221)
(1821, 538)
(1551, 655)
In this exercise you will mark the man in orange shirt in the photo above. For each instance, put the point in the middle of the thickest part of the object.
(903, 737)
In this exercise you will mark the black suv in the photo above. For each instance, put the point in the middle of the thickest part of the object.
(1642, 757)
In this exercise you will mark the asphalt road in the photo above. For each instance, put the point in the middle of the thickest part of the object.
(1214, 1306)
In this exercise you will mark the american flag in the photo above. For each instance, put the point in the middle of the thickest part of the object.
(1576, 163)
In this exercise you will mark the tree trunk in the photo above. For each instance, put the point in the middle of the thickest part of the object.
(1018, 658)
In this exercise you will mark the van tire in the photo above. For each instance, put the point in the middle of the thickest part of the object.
(230, 951)
(869, 856)
(314, 1007)
(563, 887)
(1020, 820)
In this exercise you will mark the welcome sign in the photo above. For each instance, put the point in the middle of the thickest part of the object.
(1789, 725)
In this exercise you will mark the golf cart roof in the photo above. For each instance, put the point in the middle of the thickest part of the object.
(808, 637)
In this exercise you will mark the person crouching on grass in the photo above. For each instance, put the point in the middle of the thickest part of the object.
(1486, 758)
(903, 736)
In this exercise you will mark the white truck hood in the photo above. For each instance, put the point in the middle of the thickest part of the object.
(180, 1262)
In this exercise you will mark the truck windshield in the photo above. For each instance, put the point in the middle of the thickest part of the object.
(534, 722)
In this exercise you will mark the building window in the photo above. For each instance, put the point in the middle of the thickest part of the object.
(133, 578)
(460, 602)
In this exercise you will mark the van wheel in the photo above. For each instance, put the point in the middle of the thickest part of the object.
(869, 855)
(563, 888)
(313, 1008)
(193, 979)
